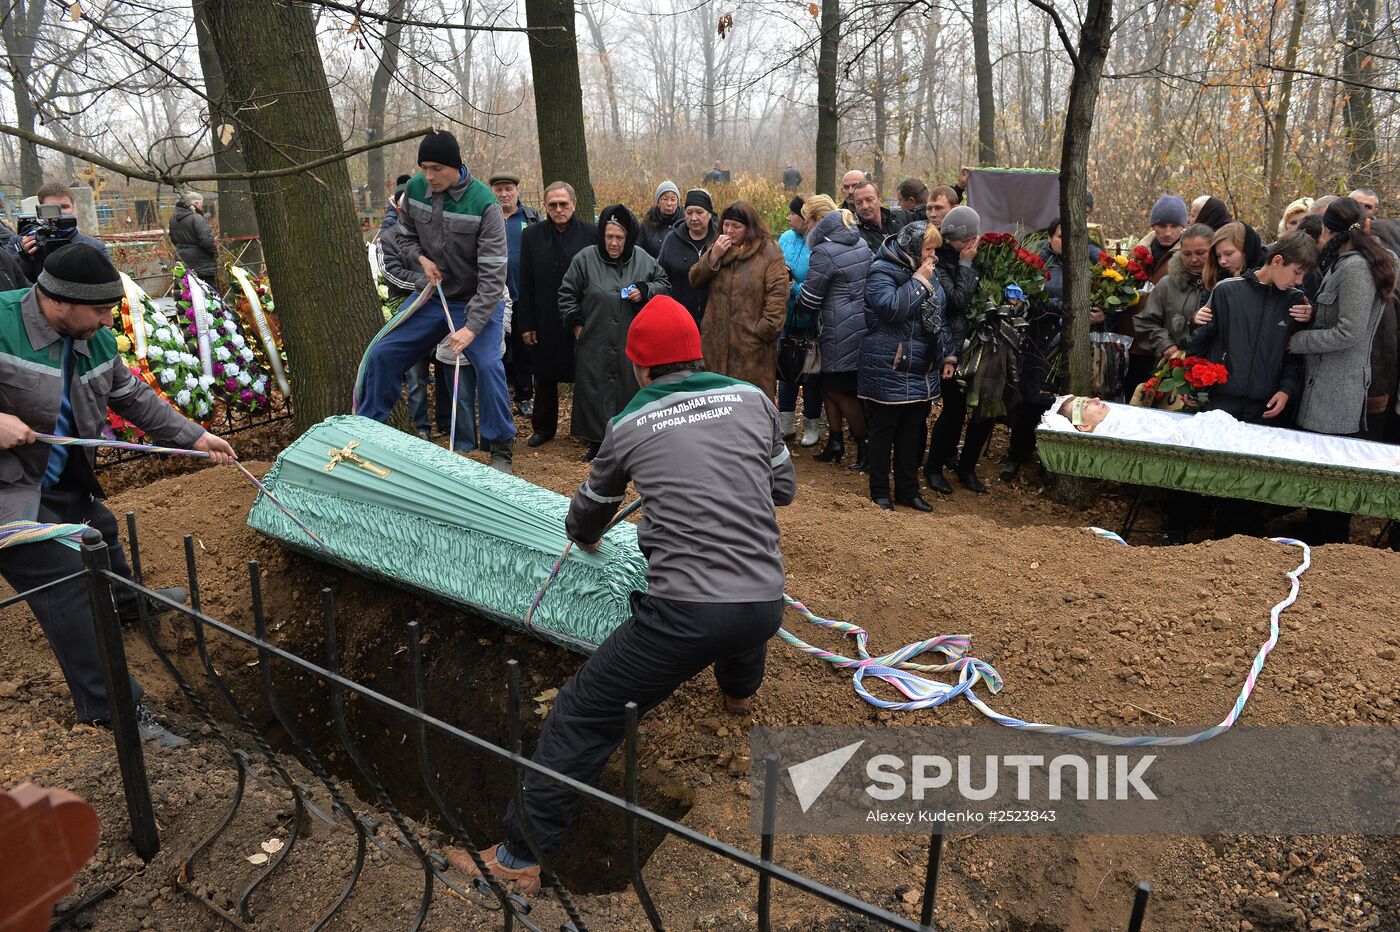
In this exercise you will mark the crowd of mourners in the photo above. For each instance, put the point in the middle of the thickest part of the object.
(855, 318)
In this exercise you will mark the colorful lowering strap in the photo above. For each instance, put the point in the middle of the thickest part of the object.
(404, 312)
(897, 670)
(15, 533)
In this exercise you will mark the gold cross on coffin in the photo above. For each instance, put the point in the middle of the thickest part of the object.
(348, 455)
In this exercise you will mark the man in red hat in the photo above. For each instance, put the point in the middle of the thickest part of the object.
(714, 572)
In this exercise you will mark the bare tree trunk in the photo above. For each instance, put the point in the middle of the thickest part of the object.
(827, 113)
(378, 102)
(315, 254)
(878, 98)
(601, 45)
(709, 51)
(559, 98)
(1280, 122)
(986, 101)
(1046, 132)
(1358, 114)
(21, 31)
(1094, 38)
(236, 215)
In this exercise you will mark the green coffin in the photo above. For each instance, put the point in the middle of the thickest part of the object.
(1224, 475)
(451, 528)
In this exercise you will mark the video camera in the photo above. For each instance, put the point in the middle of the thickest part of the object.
(49, 226)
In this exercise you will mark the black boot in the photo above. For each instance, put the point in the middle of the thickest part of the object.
(503, 456)
(1012, 470)
(862, 462)
(936, 482)
(971, 482)
(834, 449)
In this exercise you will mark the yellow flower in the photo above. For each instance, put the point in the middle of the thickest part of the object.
(1122, 261)
(1112, 275)
(124, 343)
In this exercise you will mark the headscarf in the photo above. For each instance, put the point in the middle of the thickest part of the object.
(624, 218)
(1214, 213)
(1253, 247)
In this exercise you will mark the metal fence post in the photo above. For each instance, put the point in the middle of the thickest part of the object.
(121, 702)
(1140, 897)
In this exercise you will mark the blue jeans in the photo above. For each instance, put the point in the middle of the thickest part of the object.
(417, 378)
(413, 339)
(466, 404)
(811, 396)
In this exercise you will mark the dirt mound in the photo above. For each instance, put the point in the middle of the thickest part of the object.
(1085, 632)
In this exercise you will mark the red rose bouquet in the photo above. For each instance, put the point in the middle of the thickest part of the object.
(1000, 261)
(1180, 383)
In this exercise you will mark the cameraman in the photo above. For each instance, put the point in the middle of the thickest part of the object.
(59, 373)
(32, 252)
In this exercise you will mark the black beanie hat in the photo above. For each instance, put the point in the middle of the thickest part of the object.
(402, 180)
(440, 147)
(732, 212)
(699, 197)
(80, 274)
(795, 205)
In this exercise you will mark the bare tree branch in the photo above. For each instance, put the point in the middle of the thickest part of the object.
(1054, 14)
(386, 18)
(1330, 77)
(175, 180)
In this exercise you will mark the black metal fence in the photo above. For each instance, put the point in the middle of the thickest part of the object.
(514, 910)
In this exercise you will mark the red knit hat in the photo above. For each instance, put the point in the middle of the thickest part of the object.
(663, 332)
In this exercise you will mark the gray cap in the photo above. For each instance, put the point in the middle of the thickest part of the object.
(961, 223)
(1168, 209)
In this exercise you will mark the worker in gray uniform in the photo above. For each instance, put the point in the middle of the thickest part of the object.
(714, 572)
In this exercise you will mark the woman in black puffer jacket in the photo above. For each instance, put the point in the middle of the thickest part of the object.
(901, 359)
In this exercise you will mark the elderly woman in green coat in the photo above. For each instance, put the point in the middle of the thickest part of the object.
(604, 288)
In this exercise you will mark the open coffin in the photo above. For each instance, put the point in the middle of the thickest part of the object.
(448, 527)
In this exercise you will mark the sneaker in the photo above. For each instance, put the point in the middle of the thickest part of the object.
(424, 433)
(152, 730)
(527, 408)
(526, 879)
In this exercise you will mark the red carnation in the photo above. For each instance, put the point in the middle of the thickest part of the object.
(1177, 362)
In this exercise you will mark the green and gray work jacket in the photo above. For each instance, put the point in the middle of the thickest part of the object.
(463, 231)
(31, 376)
